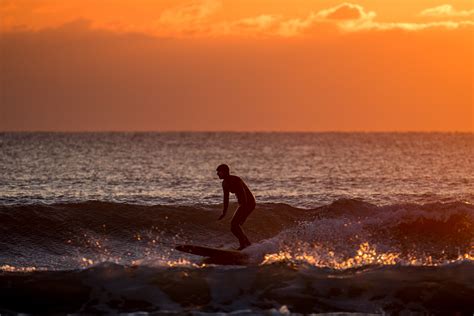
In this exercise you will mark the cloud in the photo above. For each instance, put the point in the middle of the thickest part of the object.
(318, 22)
(190, 19)
(446, 10)
(295, 26)
(264, 24)
(194, 19)
(419, 26)
(346, 17)
(347, 11)
(191, 12)
(351, 17)
(263, 21)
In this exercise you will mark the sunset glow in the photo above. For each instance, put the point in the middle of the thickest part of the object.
(237, 65)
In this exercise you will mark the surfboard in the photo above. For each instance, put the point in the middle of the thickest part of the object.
(215, 255)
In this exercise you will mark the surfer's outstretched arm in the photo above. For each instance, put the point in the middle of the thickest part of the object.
(226, 203)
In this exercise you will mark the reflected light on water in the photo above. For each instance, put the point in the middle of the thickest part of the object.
(366, 255)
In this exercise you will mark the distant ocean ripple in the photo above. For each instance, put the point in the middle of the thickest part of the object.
(299, 169)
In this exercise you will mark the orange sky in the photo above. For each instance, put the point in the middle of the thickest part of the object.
(298, 65)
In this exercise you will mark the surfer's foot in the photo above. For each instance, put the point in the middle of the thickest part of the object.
(243, 246)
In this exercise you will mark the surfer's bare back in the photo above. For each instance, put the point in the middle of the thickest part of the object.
(245, 198)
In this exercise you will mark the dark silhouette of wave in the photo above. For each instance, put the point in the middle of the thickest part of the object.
(111, 288)
(34, 232)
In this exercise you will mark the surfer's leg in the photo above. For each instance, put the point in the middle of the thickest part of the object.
(238, 219)
(247, 209)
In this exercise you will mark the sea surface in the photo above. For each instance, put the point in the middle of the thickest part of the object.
(345, 222)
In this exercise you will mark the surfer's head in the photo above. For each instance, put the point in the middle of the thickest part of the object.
(223, 171)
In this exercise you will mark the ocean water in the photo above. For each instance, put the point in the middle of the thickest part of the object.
(345, 222)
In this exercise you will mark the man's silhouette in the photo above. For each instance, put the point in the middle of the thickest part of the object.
(246, 201)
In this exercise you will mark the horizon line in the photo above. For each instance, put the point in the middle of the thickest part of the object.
(241, 131)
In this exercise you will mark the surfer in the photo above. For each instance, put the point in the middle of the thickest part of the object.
(245, 199)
